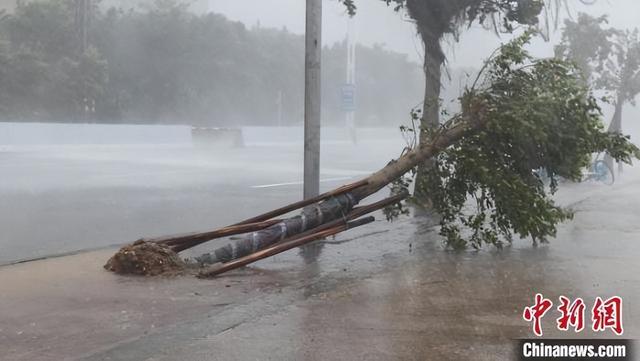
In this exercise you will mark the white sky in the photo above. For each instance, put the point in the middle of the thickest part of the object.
(376, 23)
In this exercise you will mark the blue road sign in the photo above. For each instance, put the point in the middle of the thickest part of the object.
(349, 97)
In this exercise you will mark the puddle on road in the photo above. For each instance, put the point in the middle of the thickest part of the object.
(461, 305)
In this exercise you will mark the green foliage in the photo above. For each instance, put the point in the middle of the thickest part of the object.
(608, 57)
(585, 42)
(163, 64)
(436, 19)
(44, 73)
(440, 17)
(350, 5)
(540, 116)
(620, 73)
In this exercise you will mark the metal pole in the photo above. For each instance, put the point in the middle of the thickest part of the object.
(312, 101)
(83, 8)
(350, 117)
(280, 104)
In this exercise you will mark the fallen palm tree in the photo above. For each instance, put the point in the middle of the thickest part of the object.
(327, 214)
(525, 114)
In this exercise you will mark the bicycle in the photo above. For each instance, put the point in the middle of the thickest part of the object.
(599, 171)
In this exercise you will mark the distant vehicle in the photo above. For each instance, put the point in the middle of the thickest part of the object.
(217, 137)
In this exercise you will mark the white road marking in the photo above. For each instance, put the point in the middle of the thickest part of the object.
(300, 182)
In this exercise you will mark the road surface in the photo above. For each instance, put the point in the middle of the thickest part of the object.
(384, 292)
(60, 199)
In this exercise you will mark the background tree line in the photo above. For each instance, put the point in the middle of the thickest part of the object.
(164, 64)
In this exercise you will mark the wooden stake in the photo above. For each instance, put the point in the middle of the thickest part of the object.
(306, 202)
(181, 242)
(281, 247)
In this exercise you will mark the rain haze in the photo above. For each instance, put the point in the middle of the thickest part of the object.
(161, 121)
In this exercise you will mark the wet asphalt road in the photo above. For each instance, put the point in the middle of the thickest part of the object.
(60, 199)
(384, 292)
(398, 295)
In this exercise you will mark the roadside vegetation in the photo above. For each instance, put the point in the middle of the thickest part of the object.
(164, 64)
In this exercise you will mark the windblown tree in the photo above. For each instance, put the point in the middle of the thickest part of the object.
(543, 116)
(609, 59)
(521, 114)
(437, 19)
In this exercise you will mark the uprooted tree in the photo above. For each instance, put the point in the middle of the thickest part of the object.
(437, 19)
(521, 114)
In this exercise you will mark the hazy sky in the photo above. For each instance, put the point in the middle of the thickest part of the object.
(376, 23)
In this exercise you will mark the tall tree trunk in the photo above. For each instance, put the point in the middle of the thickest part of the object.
(433, 62)
(615, 127)
(433, 21)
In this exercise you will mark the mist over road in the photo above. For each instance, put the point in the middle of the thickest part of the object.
(63, 198)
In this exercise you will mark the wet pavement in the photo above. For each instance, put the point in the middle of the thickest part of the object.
(60, 199)
(388, 291)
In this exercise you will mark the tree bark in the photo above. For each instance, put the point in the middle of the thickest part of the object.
(280, 247)
(339, 207)
(615, 127)
(433, 20)
(433, 62)
(470, 122)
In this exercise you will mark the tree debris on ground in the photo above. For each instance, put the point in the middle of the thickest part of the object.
(145, 258)
(527, 114)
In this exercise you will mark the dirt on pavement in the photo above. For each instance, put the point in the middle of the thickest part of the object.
(145, 259)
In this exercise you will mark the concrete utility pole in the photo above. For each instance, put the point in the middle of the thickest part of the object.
(83, 13)
(83, 9)
(280, 104)
(312, 99)
(350, 109)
